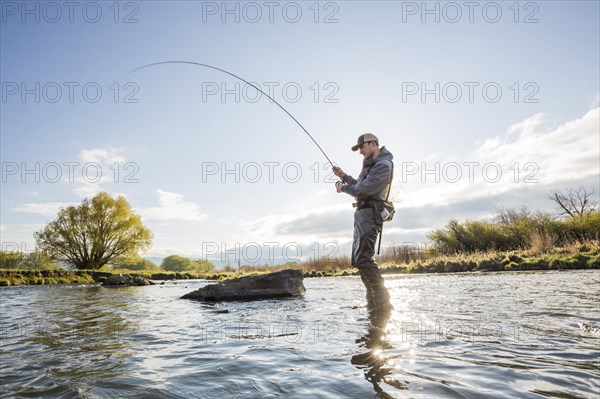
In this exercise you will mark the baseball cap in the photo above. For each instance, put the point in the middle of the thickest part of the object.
(363, 138)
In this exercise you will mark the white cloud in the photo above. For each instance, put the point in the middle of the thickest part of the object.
(107, 155)
(323, 223)
(560, 151)
(527, 127)
(49, 209)
(544, 157)
(172, 207)
(97, 169)
(596, 101)
(87, 190)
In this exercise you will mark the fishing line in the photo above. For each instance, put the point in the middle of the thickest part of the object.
(243, 80)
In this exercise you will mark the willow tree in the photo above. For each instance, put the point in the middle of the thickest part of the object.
(98, 231)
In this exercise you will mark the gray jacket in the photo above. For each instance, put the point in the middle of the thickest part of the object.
(374, 178)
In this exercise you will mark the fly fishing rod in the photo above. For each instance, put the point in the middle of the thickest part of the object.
(243, 80)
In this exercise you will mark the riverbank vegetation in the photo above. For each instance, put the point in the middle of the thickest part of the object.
(514, 240)
(585, 255)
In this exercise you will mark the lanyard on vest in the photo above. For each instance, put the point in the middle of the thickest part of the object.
(386, 200)
(390, 183)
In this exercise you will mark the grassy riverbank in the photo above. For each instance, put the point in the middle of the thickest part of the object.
(498, 261)
(61, 276)
(493, 261)
(584, 256)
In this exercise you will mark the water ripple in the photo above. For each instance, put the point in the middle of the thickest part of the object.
(451, 336)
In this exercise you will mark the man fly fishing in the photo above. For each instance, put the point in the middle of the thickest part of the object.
(371, 190)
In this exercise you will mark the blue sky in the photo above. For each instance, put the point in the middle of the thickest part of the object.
(501, 98)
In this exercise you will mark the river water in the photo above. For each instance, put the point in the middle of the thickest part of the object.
(477, 335)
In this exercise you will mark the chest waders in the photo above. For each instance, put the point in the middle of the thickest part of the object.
(368, 224)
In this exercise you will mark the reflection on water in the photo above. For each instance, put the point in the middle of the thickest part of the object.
(373, 360)
(74, 334)
(96, 325)
(449, 336)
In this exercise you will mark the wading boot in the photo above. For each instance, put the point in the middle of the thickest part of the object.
(378, 296)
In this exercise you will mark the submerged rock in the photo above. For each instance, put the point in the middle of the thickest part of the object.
(283, 284)
(121, 280)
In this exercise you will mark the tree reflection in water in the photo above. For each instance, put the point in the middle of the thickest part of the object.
(92, 337)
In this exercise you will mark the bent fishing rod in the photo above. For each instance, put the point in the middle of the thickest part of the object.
(243, 80)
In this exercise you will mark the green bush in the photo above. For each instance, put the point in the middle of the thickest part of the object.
(139, 264)
(491, 265)
(594, 261)
(581, 228)
(23, 261)
(511, 258)
(177, 263)
(512, 266)
(540, 231)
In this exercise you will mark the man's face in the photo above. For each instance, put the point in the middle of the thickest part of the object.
(367, 149)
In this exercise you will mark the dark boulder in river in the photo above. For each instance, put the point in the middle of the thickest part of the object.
(120, 280)
(283, 284)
